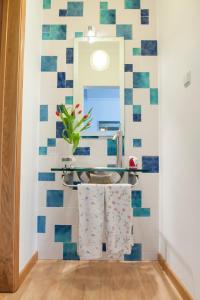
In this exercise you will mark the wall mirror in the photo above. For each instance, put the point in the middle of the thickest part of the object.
(99, 82)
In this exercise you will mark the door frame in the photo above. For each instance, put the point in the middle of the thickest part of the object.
(11, 78)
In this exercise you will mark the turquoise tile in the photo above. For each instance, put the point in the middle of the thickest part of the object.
(104, 5)
(136, 51)
(128, 96)
(41, 224)
(136, 198)
(42, 150)
(46, 4)
(43, 113)
(78, 34)
(54, 32)
(51, 142)
(75, 9)
(125, 31)
(137, 109)
(136, 253)
(141, 80)
(46, 176)
(132, 4)
(63, 233)
(112, 147)
(70, 251)
(48, 63)
(55, 198)
(141, 212)
(137, 143)
(107, 16)
(69, 100)
(154, 96)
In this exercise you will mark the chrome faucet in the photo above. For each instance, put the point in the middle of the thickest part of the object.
(118, 137)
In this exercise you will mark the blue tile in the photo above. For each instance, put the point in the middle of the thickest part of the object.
(69, 100)
(144, 12)
(128, 68)
(136, 198)
(78, 34)
(59, 129)
(136, 253)
(62, 12)
(82, 151)
(41, 224)
(128, 96)
(69, 55)
(137, 117)
(43, 113)
(150, 163)
(154, 96)
(125, 31)
(90, 137)
(51, 142)
(42, 150)
(48, 63)
(141, 80)
(63, 233)
(75, 9)
(46, 4)
(45, 176)
(141, 212)
(107, 16)
(137, 143)
(132, 4)
(104, 247)
(137, 109)
(70, 251)
(55, 198)
(54, 32)
(144, 20)
(149, 48)
(112, 147)
(61, 80)
(69, 84)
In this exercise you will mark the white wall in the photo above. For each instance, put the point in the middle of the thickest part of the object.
(30, 122)
(179, 25)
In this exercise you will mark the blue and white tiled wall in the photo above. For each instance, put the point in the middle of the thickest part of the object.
(63, 21)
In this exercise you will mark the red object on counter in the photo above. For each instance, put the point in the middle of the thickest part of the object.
(132, 163)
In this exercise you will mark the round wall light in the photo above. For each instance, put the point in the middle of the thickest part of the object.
(99, 60)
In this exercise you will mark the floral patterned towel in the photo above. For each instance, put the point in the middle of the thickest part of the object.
(118, 217)
(91, 220)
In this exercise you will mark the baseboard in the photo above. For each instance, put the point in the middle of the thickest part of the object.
(174, 279)
(28, 267)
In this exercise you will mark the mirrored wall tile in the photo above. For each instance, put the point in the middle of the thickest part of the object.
(136, 253)
(62, 12)
(43, 113)
(70, 251)
(149, 48)
(63, 233)
(132, 4)
(69, 55)
(137, 143)
(61, 83)
(59, 129)
(78, 34)
(144, 12)
(69, 84)
(128, 96)
(103, 5)
(55, 198)
(51, 142)
(46, 176)
(54, 32)
(48, 63)
(41, 224)
(124, 30)
(75, 8)
(141, 212)
(69, 100)
(141, 80)
(46, 4)
(150, 163)
(107, 16)
(136, 51)
(82, 151)
(42, 150)
(153, 96)
(128, 68)
(145, 20)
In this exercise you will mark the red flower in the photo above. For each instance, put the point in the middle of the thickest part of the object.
(57, 114)
(85, 116)
(80, 111)
(77, 105)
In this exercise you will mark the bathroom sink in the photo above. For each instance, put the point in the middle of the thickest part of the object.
(100, 177)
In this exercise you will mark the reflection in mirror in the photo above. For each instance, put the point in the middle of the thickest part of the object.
(105, 102)
(99, 82)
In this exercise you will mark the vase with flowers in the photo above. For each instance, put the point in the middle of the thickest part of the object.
(74, 123)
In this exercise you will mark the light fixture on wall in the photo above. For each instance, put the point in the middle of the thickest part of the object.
(91, 34)
(99, 60)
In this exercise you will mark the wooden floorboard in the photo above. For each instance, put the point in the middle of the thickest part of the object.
(64, 280)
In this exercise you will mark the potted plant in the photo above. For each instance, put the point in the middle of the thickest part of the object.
(74, 123)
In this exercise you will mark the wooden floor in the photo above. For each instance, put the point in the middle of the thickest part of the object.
(62, 280)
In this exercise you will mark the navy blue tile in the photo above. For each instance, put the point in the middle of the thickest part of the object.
(63, 233)
(62, 12)
(43, 113)
(144, 12)
(150, 163)
(136, 253)
(128, 68)
(128, 96)
(41, 224)
(46, 176)
(149, 48)
(70, 251)
(136, 198)
(59, 129)
(55, 198)
(144, 20)
(82, 151)
(69, 84)
(61, 80)
(69, 55)
(137, 117)
(48, 63)
(104, 247)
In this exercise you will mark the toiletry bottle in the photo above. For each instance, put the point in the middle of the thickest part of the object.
(132, 162)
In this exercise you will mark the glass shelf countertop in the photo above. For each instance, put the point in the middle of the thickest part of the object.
(99, 169)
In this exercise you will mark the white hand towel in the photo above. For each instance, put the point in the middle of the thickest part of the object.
(91, 220)
(118, 220)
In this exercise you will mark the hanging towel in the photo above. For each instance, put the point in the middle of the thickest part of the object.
(91, 220)
(119, 235)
